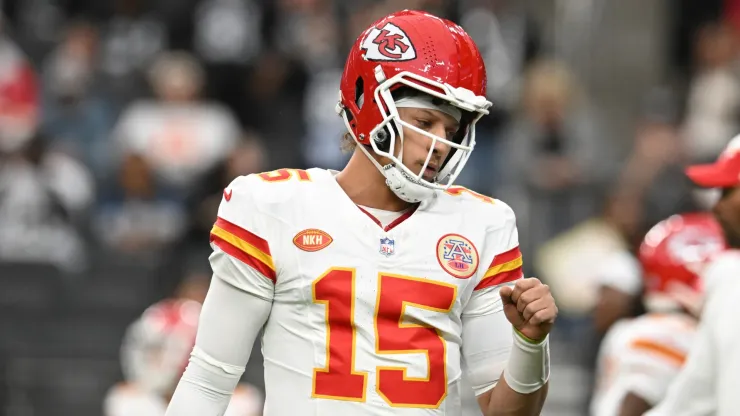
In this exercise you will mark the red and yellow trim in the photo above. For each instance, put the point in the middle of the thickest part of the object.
(244, 246)
(504, 268)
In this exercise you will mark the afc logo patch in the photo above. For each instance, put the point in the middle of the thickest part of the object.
(457, 256)
(388, 43)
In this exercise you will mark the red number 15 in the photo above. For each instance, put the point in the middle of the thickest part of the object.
(340, 380)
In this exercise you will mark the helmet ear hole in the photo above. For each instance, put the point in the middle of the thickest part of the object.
(359, 89)
(383, 137)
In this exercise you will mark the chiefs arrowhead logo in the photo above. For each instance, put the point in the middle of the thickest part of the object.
(388, 43)
(312, 240)
(227, 194)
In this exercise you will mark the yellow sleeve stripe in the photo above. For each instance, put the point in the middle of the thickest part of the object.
(505, 267)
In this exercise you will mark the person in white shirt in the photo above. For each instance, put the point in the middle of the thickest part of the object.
(709, 381)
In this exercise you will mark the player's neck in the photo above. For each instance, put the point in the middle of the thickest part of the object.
(365, 185)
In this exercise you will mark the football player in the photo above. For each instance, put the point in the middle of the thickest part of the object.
(154, 354)
(374, 287)
(640, 357)
(709, 381)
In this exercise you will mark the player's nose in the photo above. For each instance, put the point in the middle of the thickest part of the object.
(440, 147)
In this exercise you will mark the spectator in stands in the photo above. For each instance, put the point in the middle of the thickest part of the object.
(555, 156)
(228, 38)
(572, 262)
(323, 128)
(45, 197)
(273, 105)
(131, 40)
(76, 116)
(508, 40)
(309, 30)
(654, 167)
(179, 135)
(713, 107)
(18, 96)
(135, 214)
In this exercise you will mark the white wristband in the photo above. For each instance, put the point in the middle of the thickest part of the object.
(528, 368)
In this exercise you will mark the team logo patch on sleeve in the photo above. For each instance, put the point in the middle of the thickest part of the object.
(388, 43)
(312, 239)
(457, 256)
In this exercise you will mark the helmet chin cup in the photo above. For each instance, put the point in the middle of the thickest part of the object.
(404, 186)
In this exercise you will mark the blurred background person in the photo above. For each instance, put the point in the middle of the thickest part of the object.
(706, 384)
(155, 352)
(19, 101)
(177, 133)
(45, 200)
(76, 113)
(135, 213)
(713, 101)
(549, 146)
(639, 358)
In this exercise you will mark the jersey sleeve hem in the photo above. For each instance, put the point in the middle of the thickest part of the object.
(505, 267)
(244, 246)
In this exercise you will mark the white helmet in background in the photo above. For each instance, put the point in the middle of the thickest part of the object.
(157, 346)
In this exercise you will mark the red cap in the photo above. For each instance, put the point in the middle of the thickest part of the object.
(724, 173)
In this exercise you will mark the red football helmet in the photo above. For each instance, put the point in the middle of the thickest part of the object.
(675, 250)
(421, 51)
(157, 346)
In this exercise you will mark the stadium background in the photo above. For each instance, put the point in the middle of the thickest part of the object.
(121, 121)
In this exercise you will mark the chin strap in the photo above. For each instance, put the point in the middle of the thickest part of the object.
(400, 182)
(405, 187)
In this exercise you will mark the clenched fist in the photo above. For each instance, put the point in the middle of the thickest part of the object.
(530, 308)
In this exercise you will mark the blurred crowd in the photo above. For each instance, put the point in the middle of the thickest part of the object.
(122, 121)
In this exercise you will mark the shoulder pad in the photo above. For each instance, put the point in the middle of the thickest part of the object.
(267, 187)
(490, 212)
(466, 194)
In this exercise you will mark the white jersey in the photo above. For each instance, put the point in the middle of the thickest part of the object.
(620, 270)
(366, 319)
(708, 384)
(127, 400)
(641, 356)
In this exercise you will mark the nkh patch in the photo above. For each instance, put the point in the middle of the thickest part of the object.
(457, 256)
(312, 239)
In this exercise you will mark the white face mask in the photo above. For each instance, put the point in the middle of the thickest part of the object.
(406, 184)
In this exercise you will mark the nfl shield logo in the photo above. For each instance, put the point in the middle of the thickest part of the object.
(387, 246)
